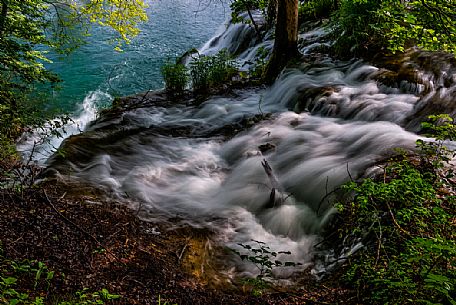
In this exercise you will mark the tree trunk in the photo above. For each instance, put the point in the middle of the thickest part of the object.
(286, 38)
(255, 26)
(272, 13)
(3, 14)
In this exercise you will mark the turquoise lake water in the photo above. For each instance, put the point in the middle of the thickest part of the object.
(174, 26)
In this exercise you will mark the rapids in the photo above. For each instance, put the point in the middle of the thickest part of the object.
(330, 121)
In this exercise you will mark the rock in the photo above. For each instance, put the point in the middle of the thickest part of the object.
(264, 148)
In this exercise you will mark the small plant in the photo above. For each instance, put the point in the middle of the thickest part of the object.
(265, 260)
(26, 282)
(204, 72)
(175, 76)
(104, 295)
(434, 155)
(85, 297)
(159, 302)
(11, 273)
(260, 63)
(40, 270)
(99, 250)
(211, 71)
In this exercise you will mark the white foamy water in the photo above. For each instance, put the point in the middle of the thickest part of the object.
(347, 123)
(43, 142)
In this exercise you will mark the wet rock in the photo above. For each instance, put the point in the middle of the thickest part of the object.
(264, 148)
(309, 98)
(429, 75)
(386, 77)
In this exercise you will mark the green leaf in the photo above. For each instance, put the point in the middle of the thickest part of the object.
(9, 281)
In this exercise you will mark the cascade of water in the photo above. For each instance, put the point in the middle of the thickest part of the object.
(350, 120)
(43, 142)
(95, 71)
(234, 37)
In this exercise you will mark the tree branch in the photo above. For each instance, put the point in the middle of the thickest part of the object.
(255, 26)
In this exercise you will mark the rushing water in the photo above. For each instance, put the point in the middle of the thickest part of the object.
(95, 73)
(344, 121)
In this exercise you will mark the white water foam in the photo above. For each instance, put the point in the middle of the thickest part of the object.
(342, 132)
(41, 143)
(223, 185)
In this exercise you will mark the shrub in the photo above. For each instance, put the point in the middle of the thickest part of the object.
(405, 219)
(212, 71)
(205, 72)
(261, 61)
(354, 24)
(316, 9)
(392, 25)
(175, 76)
(22, 112)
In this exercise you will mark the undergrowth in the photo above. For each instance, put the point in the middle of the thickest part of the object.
(31, 281)
(265, 260)
(405, 218)
(316, 9)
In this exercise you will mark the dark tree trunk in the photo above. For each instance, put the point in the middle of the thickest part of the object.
(272, 13)
(3, 14)
(286, 38)
(255, 26)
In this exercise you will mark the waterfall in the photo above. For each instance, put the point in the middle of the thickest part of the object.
(44, 141)
(331, 121)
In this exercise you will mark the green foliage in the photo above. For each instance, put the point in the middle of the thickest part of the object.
(434, 155)
(159, 302)
(12, 273)
(265, 260)
(353, 23)
(120, 15)
(259, 285)
(211, 71)
(441, 127)
(175, 76)
(406, 223)
(316, 9)
(30, 281)
(431, 24)
(31, 23)
(240, 6)
(204, 72)
(30, 27)
(32, 113)
(84, 297)
(261, 62)
(21, 30)
(394, 25)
